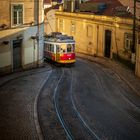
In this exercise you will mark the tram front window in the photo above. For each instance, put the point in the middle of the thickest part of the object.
(67, 48)
(63, 48)
(70, 47)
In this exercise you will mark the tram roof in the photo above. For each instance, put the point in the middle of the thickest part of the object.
(59, 38)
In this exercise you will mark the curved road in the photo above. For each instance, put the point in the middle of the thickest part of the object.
(83, 102)
(88, 101)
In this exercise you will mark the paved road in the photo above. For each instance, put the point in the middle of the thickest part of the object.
(18, 93)
(86, 102)
(110, 108)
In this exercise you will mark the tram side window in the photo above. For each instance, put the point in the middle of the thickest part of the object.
(57, 48)
(51, 47)
(46, 47)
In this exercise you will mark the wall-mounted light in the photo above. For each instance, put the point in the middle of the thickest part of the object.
(34, 37)
(5, 42)
(19, 37)
(3, 26)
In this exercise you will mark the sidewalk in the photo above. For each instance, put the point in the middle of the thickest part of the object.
(9, 77)
(124, 73)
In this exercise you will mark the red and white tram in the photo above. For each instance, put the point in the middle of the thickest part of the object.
(59, 48)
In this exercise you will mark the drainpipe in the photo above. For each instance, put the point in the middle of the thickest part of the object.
(72, 5)
(134, 34)
(38, 29)
(97, 40)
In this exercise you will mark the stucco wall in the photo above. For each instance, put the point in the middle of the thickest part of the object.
(33, 48)
(30, 11)
(49, 22)
(5, 59)
(29, 46)
(95, 44)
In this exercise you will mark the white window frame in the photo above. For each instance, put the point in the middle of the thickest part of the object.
(12, 16)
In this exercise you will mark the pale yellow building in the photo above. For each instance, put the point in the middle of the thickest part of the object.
(100, 35)
(21, 34)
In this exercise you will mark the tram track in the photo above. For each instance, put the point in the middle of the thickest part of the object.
(50, 126)
(80, 117)
(72, 119)
(61, 105)
(58, 111)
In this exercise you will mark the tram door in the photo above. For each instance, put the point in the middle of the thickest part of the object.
(107, 43)
(17, 54)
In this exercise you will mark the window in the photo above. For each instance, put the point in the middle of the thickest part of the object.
(61, 25)
(70, 47)
(63, 48)
(17, 14)
(128, 41)
(73, 27)
(89, 31)
(51, 47)
(57, 48)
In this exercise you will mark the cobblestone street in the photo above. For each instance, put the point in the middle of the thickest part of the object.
(18, 93)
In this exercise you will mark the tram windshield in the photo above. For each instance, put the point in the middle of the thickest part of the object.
(67, 48)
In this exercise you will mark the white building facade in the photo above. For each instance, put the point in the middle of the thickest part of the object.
(21, 35)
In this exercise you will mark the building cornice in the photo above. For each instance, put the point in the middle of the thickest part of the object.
(98, 18)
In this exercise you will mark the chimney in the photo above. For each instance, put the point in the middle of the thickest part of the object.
(72, 5)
